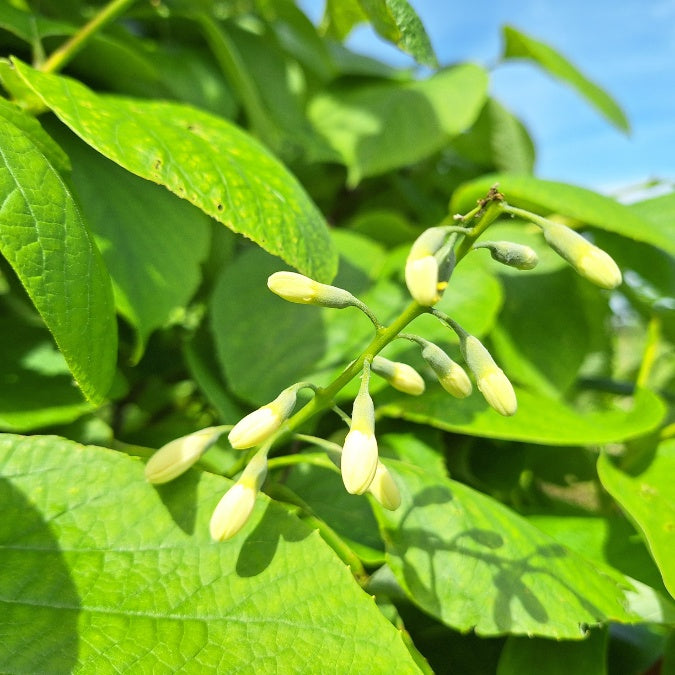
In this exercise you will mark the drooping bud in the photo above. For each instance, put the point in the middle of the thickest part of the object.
(384, 488)
(422, 269)
(263, 422)
(401, 376)
(586, 258)
(490, 378)
(177, 456)
(300, 289)
(451, 375)
(508, 253)
(359, 452)
(236, 505)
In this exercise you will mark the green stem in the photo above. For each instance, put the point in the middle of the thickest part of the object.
(66, 52)
(650, 352)
(486, 216)
(526, 215)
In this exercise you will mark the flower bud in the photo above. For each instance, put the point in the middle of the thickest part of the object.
(305, 291)
(514, 255)
(401, 376)
(451, 375)
(176, 457)
(421, 268)
(490, 378)
(589, 260)
(384, 488)
(358, 462)
(236, 505)
(263, 422)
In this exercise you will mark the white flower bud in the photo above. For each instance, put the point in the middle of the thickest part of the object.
(490, 378)
(421, 268)
(401, 376)
(358, 462)
(451, 375)
(300, 289)
(176, 457)
(259, 425)
(236, 505)
(514, 255)
(384, 488)
(589, 260)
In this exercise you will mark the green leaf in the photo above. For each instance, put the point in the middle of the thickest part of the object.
(546, 197)
(647, 495)
(369, 126)
(45, 240)
(538, 420)
(40, 138)
(102, 572)
(660, 211)
(547, 657)
(152, 242)
(202, 158)
(38, 387)
(397, 21)
(517, 45)
(474, 564)
(394, 20)
(497, 140)
(29, 26)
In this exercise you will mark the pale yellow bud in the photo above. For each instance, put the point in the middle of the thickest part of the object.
(359, 452)
(490, 378)
(421, 268)
(176, 457)
(300, 289)
(259, 425)
(236, 505)
(589, 260)
(358, 462)
(401, 376)
(384, 488)
(232, 512)
(451, 375)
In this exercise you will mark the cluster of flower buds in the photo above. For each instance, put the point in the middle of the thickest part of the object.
(428, 268)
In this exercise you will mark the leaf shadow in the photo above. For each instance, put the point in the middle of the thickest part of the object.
(180, 499)
(485, 547)
(260, 546)
(40, 602)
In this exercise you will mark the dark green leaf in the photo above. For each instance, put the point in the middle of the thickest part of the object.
(518, 45)
(152, 242)
(202, 158)
(44, 238)
(103, 572)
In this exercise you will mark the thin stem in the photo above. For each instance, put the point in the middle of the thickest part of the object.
(368, 312)
(486, 217)
(313, 459)
(449, 321)
(66, 52)
(526, 215)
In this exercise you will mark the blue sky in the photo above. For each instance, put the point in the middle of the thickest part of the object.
(627, 47)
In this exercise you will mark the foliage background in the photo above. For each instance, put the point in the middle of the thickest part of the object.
(133, 312)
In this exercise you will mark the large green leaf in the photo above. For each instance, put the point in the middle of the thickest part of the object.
(29, 26)
(538, 420)
(45, 240)
(103, 572)
(544, 196)
(648, 497)
(152, 242)
(518, 45)
(202, 158)
(37, 386)
(474, 564)
(378, 127)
